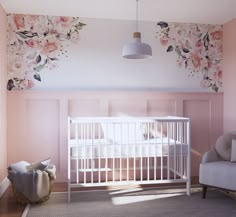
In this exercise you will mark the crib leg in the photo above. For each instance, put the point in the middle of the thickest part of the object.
(69, 191)
(204, 191)
(188, 187)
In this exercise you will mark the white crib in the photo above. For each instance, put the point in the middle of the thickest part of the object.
(105, 151)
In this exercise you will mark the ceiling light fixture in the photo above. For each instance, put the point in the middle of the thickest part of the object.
(136, 49)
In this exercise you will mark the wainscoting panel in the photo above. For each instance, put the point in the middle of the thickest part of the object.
(42, 135)
(37, 120)
(84, 107)
(200, 129)
(161, 107)
(132, 107)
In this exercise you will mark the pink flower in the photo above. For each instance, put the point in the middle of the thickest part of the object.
(64, 19)
(18, 65)
(180, 32)
(27, 83)
(209, 64)
(216, 35)
(218, 75)
(196, 60)
(198, 44)
(49, 47)
(19, 21)
(30, 84)
(31, 43)
(53, 31)
(164, 40)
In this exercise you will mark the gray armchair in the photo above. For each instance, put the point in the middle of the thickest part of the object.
(218, 166)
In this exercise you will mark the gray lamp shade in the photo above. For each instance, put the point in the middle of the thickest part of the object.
(137, 49)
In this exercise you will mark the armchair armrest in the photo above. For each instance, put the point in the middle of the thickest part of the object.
(210, 156)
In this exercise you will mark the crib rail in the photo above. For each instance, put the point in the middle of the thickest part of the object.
(106, 151)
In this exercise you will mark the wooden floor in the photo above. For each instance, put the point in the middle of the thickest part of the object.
(10, 208)
(8, 205)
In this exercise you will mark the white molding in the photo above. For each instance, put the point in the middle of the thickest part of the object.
(4, 185)
(26, 210)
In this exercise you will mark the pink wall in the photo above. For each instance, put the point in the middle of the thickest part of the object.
(229, 77)
(37, 120)
(3, 73)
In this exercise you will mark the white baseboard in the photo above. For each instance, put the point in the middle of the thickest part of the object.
(26, 210)
(3, 186)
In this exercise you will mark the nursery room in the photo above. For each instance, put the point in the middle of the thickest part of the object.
(117, 108)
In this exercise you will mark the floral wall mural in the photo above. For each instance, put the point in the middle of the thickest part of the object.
(36, 43)
(65, 53)
(198, 48)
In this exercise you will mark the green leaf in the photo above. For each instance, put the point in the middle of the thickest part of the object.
(39, 68)
(53, 58)
(185, 50)
(31, 55)
(170, 48)
(186, 64)
(27, 34)
(177, 50)
(38, 59)
(20, 42)
(215, 88)
(37, 77)
(22, 35)
(10, 84)
(188, 44)
(82, 24)
(162, 24)
(206, 37)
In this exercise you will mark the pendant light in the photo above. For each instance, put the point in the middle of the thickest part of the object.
(137, 49)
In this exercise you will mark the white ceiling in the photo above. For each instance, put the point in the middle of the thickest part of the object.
(189, 11)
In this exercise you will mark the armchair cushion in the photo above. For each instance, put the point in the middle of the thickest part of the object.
(210, 156)
(223, 145)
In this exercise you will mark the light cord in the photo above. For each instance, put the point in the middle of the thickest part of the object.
(136, 15)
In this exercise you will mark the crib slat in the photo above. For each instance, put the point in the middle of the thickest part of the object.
(106, 160)
(113, 157)
(69, 159)
(120, 178)
(134, 158)
(77, 160)
(92, 158)
(127, 156)
(99, 154)
(168, 144)
(148, 168)
(155, 157)
(84, 136)
(181, 151)
(175, 157)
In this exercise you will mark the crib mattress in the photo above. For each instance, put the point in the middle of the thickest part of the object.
(101, 148)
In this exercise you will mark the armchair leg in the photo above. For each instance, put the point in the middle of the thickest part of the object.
(204, 191)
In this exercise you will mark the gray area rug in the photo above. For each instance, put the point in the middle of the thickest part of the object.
(137, 203)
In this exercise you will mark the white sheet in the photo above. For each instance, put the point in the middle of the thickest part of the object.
(93, 149)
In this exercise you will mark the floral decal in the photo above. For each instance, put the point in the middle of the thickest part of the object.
(36, 43)
(198, 48)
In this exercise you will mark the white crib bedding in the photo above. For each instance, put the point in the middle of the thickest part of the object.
(102, 148)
